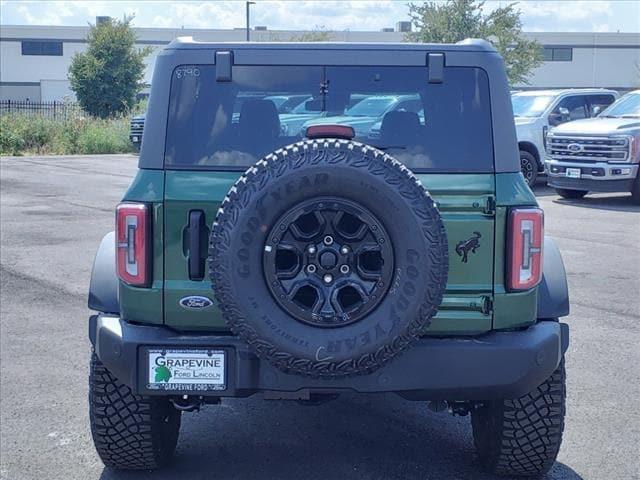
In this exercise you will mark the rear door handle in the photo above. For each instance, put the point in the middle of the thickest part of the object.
(196, 258)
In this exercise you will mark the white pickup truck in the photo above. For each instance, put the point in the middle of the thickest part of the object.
(538, 110)
(599, 154)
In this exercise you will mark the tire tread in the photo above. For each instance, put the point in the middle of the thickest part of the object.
(129, 431)
(523, 436)
(314, 152)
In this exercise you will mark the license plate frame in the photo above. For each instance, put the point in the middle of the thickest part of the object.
(186, 369)
(573, 173)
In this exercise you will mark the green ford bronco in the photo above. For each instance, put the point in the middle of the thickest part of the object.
(378, 237)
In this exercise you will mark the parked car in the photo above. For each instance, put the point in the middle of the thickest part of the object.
(246, 260)
(136, 129)
(368, 112)
(599, 154)
(291, 124)
(376, 129)
(538, 110)
(286, 103)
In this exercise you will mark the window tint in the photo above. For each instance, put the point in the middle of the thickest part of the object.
(597, 103)
(42, 47)
(445, 127)
(577, 106)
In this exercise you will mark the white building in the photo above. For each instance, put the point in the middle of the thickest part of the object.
(34, 59)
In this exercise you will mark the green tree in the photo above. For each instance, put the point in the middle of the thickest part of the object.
(456, 20)
(108, 75)
(318, 34)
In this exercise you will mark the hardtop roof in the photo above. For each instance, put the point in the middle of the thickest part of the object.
(467, 45)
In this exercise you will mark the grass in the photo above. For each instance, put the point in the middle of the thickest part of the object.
(30, 134)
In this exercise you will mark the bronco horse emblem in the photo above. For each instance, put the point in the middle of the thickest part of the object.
(470, 244)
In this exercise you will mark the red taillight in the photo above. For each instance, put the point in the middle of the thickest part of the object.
(133, 229)
(526, 237)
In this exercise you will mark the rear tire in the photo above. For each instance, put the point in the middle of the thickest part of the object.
(529, 167)
(571, 194)
(129, 431)
(522, 436)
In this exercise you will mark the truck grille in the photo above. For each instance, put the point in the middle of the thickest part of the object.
(588, 149)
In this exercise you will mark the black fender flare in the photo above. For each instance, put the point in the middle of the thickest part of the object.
(103, 289)
(553, 292)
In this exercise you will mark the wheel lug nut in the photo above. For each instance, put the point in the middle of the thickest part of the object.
(311, 268)
(327, 278)
(344, 250)
(328, 240)
(311, 250)
(344, 269)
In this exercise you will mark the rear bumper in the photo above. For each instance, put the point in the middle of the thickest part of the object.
(494, 365)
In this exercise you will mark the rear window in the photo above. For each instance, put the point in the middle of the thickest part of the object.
(231, 125)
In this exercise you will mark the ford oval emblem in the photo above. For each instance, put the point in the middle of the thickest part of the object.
(195, 302)
(574, 147)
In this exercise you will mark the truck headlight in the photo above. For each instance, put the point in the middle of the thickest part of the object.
(624, 144)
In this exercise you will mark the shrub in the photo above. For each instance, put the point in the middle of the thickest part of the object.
(105, 136)
(24, 134)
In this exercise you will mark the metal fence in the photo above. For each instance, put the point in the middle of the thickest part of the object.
(43, 109)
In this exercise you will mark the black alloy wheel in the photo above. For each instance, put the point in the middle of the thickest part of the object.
(529, 167)
(328, 262)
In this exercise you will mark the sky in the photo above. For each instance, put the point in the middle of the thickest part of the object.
(541, 16)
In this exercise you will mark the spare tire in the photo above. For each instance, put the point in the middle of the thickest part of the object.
(328, 257)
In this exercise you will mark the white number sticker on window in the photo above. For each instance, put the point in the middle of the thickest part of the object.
(187, 72)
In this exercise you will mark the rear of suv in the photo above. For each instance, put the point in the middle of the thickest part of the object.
(253, 259)
(598, 155)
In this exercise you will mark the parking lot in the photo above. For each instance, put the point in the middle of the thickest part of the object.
(55, 210)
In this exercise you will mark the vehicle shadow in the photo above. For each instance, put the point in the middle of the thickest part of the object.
(541, 189)
(379, 437)
(617, 203)
(620, 202)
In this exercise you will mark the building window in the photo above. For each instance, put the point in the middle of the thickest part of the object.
(557, 54)
(42, 47)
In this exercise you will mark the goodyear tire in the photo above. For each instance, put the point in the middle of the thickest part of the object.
(129, 431)
(328, 258)
(522, 436)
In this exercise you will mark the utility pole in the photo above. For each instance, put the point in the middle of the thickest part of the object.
(248, 23)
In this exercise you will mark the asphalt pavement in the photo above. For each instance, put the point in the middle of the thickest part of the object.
(55, 210)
